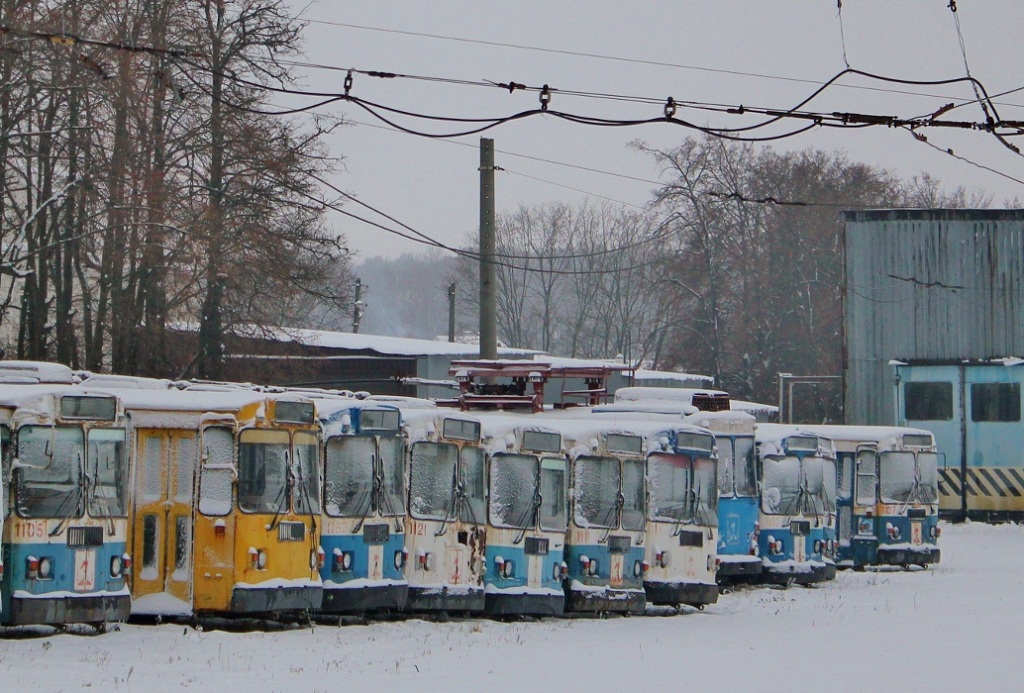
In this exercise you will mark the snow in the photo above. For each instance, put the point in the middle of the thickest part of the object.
(952, 627)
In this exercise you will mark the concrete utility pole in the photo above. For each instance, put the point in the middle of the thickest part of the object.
(357, 307)
(451, 312)
(488, 278)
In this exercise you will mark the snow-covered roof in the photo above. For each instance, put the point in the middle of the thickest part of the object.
(391, 346)
(642, 374)
(35, 372)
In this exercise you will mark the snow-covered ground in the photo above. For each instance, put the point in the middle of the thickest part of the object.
(955, 627)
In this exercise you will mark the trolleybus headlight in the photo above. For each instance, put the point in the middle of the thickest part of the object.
(257, 558)
(710, 564)
(126, 564)
(556, 572)
(508, 569)
(424, 559)
(31, 568)
(116, 566)
(342, 561)
(317, 558)
(592, 567)
(638, 569)
(565, 569)
(45, 568)
(932, 532)
(400, 557)
(892, 530)
(663, 559)
(817, 546)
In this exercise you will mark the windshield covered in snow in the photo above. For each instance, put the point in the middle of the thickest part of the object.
(820, 483)
(908, 478)
(108, 472)
(726, 468)
(597, 492)
(634, 493)
(432, 480)
(48, 484)
(781, 488)
(263, 471)
(474, 485)
(669, 479)
(553, 478)
(705, 492)
(513, 490)
(348, 476)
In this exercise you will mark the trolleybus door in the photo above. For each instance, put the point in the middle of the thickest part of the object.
(214, 535)
(162, 536)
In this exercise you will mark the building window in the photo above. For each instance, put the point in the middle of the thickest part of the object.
(928, 401)
(995, 402)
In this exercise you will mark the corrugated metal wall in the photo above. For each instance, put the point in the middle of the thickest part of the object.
(927, 284)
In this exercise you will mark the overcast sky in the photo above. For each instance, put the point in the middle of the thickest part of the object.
(750, 52)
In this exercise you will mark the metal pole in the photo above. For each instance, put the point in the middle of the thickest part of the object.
(488, 279)
(451, 312)
(357, 307)
(782, 380)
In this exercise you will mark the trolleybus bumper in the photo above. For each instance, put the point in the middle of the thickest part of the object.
(370, 598)
(674, 593)
(547, 604)
(607, 600)
(68, 609)
(739, 569)
(445, 599)
(925, 555)
(262, 600)
(800, 575)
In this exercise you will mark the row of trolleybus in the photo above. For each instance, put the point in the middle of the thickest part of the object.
(130, 496)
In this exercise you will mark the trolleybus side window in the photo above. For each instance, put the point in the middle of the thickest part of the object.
(746, 467)
(781, 486)
(432, 480)
(217, 472)
(306, 470)
(669, 483)
(108, 469)
(474, 486)
(513, 490)
(597, 484)
(48, 480)
(263, 471)
(553, 479)
(995, 402)
(634, 494)
(392, 461)
(928, 401)
(705, 492)
(348, 476)
(186, 470)
(866, 482)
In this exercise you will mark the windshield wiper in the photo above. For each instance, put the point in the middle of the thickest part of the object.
(309, 501)
(528, 519)
(451, 503)
(384, 496)
(281, 502)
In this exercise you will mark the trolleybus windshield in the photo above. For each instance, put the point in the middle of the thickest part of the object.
(513, 490)
(746, 471)
(597, 492)
(669, 484)
(474, 486)
(348, 476)
(820, 484)
(432, 480)
(108, 469)
(263, 471)
(633, 495)
(907, 478)
(392, 471)
(781, 494)
(552, 494)
(48, 478)
(307, 477)
(705, 492)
